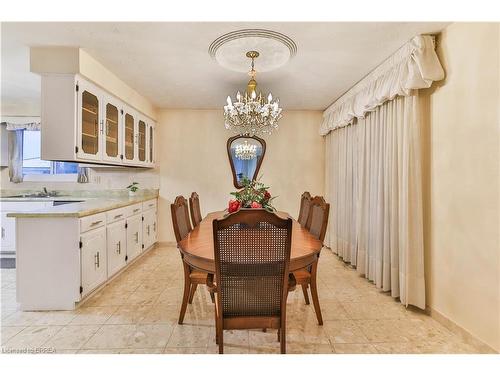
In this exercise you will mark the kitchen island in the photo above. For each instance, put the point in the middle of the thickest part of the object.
(67, 251)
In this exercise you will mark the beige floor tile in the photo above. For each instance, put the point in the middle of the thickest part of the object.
(72, 337)
(59, 318)
(150, 336)
(93, 315)
(333, 311)
(98, 351)
(202, 350)
(142, 351)
(373, 311)
(344, 332)
(185, 336)
(140, 297)
(259, 339)
(383, 331)
(398, 348)
(162, 313)
(354, 349)
(22, 318)
(312, 335)
(7, 333)
(129, 314)
(108, 298)
(264, 349)
(299, 348)
(237, 338)
(228, 349)
(130, 336)
(32, 337)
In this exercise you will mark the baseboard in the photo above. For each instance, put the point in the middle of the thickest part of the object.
(468, 337)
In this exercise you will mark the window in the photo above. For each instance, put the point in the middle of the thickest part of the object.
(34, 166)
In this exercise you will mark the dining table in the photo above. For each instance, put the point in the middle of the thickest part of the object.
(197, 247)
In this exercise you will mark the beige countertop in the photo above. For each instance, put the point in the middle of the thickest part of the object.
(87, 206)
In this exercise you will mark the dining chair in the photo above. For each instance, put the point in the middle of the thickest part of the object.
(316, 224)
(194, 209)
(182, 227)
(305, 203)
(252, 257)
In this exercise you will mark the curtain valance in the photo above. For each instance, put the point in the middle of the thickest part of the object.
(413, 66)
(23, 126)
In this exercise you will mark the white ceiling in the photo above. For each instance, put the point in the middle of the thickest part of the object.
(169, 62)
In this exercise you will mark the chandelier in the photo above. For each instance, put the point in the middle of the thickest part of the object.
(250, 114)
(246, 151)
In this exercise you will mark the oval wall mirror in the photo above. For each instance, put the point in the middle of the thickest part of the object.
(245, 156)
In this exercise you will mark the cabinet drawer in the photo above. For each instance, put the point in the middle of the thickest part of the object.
(91, 222)
(115, 215)
(148, 205)
(133, 209)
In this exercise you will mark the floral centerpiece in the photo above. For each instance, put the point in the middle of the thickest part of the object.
(253, 195)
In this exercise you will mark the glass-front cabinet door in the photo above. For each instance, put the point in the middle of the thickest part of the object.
(130, 135)
(89, 122)
(141, 141)
(151, 142)
(112, 130)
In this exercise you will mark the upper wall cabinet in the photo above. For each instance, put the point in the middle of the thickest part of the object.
(83, 123)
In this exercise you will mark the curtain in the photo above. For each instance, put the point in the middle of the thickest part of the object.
(374, 186)
(414, 66)
(15, 150)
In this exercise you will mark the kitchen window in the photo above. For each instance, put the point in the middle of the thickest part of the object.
(36, 169)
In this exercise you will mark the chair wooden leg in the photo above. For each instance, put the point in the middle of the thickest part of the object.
(216, 327)
(193, 289)
(185, 297)
(279, 333)
(306, 295)
(283, 340)
(314, 293)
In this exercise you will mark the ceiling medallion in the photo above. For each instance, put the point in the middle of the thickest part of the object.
(276, 49)
(251, 114)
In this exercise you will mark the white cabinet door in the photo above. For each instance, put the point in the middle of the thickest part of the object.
(149, 228)
(112, 137)
(142, 130)
(150, 141)
(134, 236)
(90, 121)
(130, 146)
(93, 259)
(116, 237)
(8, 233)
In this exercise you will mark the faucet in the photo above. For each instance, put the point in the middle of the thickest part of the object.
(45, 192)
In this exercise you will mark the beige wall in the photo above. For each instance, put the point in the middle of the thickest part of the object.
(193, 157)
(461, 175)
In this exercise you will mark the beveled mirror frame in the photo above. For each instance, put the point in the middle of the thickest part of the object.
(229, 141)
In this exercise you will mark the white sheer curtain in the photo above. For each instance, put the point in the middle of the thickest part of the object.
(374, 186)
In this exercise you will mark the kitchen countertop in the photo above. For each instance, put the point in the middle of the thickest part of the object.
(89, 206)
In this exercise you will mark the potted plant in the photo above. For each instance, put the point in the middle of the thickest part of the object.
(253, 195)
(132, 188)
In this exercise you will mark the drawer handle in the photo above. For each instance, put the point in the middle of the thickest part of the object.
(148, 229)
(136, 237)
(119, 247)
(96, 222)
(3, 232)
(137, 209)
(117, 216)
(154, 226)
(151, 204)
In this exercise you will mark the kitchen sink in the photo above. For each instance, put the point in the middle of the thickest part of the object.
(61, 202)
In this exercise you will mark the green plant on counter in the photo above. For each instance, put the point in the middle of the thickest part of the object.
(133, 187)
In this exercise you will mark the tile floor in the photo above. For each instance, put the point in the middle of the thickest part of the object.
(137, 313)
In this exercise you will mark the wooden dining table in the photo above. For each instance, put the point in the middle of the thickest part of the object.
(198, 246)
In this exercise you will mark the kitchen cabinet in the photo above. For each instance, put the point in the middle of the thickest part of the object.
(149, 228)
(150, 138)
(116, 238)
(134, 236)
(84, 123)
(63, 259)
(93, 259)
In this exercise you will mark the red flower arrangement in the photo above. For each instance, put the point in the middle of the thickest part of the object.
(253, 195)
